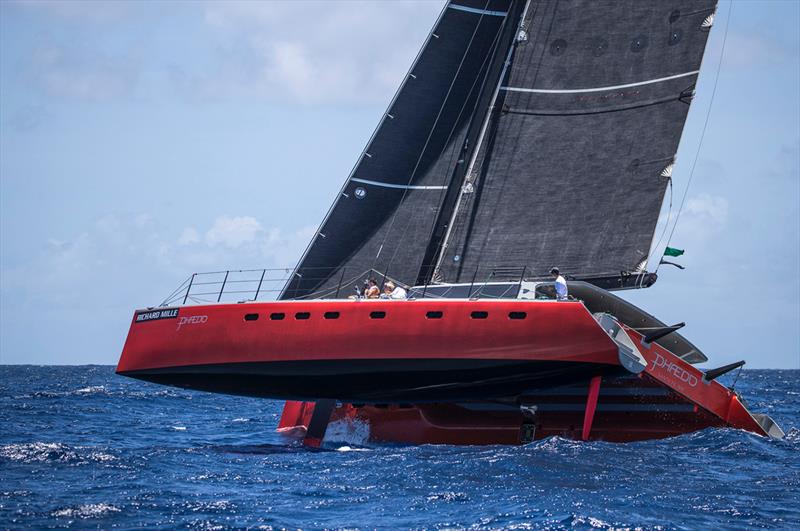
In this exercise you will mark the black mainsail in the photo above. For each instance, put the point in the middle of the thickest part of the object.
(528, 133)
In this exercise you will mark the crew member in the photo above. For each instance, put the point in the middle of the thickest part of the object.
(372, 291)
(391, 291)
(560, 285)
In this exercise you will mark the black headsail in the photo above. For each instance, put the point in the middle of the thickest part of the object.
(528, 133)
(574, 166)
(386, 211)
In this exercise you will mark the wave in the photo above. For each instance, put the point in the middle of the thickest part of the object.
(91, 390)
(90, 510)
(95, 451)
(40, 452)
(105, 391)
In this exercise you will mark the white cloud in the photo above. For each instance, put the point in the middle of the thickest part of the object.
(233, 232)
(80, 10)
(312, 52)
(189, 236)
(707, 211)
(290, 66)
(83, 75)
(308, 52)
(748, 49)
(136, 258)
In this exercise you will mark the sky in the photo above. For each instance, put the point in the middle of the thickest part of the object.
(143, 141)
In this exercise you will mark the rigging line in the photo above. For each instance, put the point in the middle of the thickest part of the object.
(666, 226)
(703, 132)
(467, 221)
(454, 223)
(457, 150)
(174, 294)
(324, 292)
(430, 135)
(537, 71)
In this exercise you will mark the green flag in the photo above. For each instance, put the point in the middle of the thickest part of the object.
(671, 251)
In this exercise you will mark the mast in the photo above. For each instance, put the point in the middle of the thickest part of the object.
(442, 247)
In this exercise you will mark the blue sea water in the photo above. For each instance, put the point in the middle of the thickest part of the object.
(82, 447)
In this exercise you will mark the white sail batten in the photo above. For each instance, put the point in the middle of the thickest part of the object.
(600, 89)
(398, 186)
(477, 11)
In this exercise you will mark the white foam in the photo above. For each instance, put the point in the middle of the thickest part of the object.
(37, 451)
(179, 428)
(93, 389)
(91, 510)
(41, 451)
(351, 449)
(218, 505)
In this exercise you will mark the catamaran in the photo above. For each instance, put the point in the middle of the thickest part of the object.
(527, 134)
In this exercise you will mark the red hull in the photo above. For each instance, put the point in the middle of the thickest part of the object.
(669, 398)
(619, 418)
(364, 351)
(456, 359)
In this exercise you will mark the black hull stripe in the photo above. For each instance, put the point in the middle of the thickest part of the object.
(376, 381)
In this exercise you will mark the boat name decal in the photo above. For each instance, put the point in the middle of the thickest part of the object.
(155, 315)
(675, 370)
(190, 320)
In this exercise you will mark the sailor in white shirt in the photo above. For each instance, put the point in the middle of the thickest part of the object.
(560, 285)
(394, 292)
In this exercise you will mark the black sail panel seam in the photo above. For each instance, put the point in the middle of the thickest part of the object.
(535, 112)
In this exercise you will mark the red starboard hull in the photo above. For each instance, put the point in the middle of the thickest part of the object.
(669, 398)
(371, 351)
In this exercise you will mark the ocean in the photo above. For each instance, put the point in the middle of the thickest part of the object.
(83, 447)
